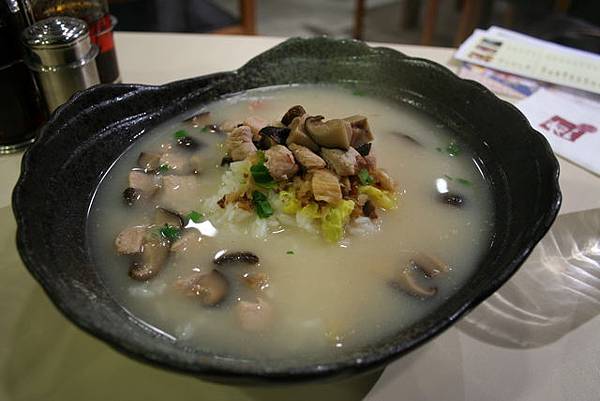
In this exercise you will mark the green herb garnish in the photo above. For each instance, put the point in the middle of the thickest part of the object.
(205, 129)
(464, 182)
(365, 178)
(260, 173)
(358, 92)
(163, 168)
(170, 232)
(261, 205)
(195, 216)
(453, 149)
(290, 252)
(181, 134)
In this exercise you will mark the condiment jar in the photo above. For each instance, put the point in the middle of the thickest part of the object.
(60, 53)
(100, 23)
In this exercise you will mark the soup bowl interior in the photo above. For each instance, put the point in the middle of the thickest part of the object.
(62, 170)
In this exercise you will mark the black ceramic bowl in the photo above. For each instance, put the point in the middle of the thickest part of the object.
(62, 169)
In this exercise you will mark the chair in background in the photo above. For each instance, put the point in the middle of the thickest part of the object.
(472, 13)
(247, 25)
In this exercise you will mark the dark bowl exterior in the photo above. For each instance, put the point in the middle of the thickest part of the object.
(61, 171)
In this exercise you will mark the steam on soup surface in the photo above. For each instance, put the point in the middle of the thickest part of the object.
(284, 274)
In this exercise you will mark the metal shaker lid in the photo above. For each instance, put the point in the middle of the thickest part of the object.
(58, 41)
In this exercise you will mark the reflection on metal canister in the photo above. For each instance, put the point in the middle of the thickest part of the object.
(60, 52)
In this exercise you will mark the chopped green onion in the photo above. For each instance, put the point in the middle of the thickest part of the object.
(181, 134)
(290, 252)
(170, 232)
(260, 173)
(261, 204)
(164, 168)
(358, 92)
(195, 216)
(464, 182)
(453, 149)
(364, 177)
(205, 129)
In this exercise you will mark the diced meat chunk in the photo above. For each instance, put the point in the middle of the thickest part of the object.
(177, 163)
(198, 162)
(280, 162)
(256, 124)
(371, 162)
(343, 162)
(130, 240)
(179, 193)
(189, 238)
(254, 316)
(256, 280)
(306, 157)
(383, 178)
(146, 183)
(303, 188)
(227, 126)
(239, 143)
(361, 132)
(326, 186)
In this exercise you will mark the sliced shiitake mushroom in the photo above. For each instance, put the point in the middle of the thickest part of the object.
(364, 150)
(242, 257)
(209, 288)
(409, 139)
(298, 135)
(164, 216)
(131, 196)
(187, 142)
(360, 131)
(263, 142)
(334, 133)
(452, 199)
(407, 282)
(149, 161)
(369, 210)
(293, 112)
(429, 264)
(226, 160)
(155, 251)
(279, 135)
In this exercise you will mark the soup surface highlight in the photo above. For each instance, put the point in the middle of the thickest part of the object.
(308, 299)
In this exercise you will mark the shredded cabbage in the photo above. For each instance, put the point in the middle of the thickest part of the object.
(382, 199)
(290, 204)
(311, 211)
(333, 220)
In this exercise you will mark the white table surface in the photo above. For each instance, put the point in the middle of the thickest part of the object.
(536, 339)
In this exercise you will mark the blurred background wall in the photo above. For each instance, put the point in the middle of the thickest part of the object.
(432, 22)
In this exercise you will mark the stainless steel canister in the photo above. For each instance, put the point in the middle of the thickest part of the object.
(60, 52)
